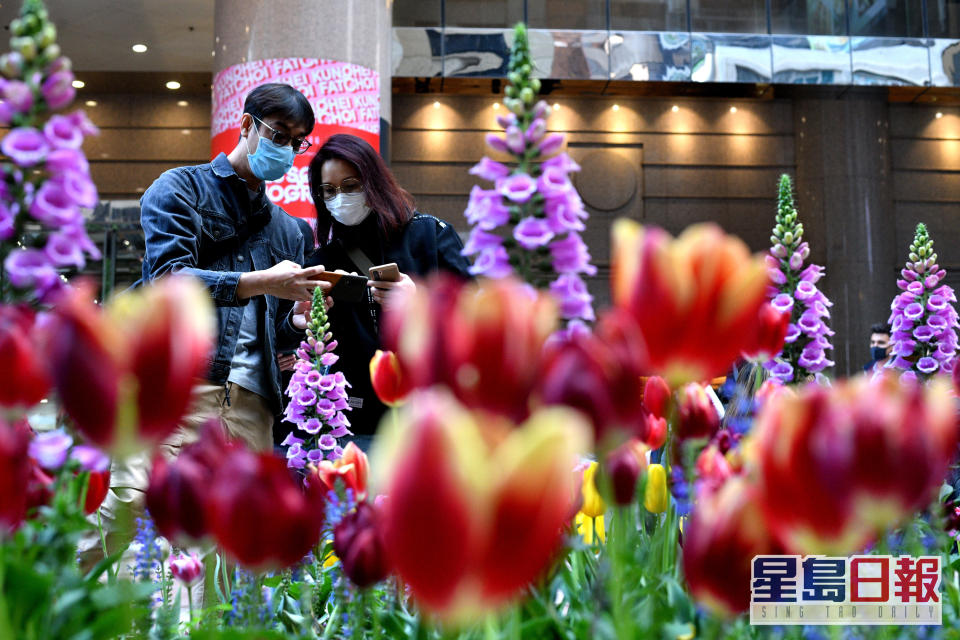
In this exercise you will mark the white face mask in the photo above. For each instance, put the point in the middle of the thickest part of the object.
(349, 209)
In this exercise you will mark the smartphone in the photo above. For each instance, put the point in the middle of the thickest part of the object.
(387, 272)
(346, 287)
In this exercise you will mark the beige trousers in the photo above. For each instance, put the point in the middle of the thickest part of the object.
(246, 418)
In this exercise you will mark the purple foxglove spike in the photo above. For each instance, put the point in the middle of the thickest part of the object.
(531, 233)
(779, 251)
(25, 146)
(480, 240)
(793, 332)
(796, 261)
(515, 142)
(492, 263)
(551, 144)
(927, 365)
(491, 170)
(777, 276)
(562, 161)
(518, 187)
(923, 333)
(916, 288)
(497, 143)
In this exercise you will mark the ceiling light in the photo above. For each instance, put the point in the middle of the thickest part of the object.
(173, 84)
(733, 109)
(556, 105)
(139, 48)
(496, 105)
(616, 107)
(91, 103)
(436, 104)
(182, 103)
(939, 114)
(674, 108)
(79, 84)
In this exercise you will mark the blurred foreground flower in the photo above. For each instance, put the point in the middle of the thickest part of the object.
(351, 468)
(15, 466)
(839, 466)
(483, 341)
(358, 542)
(726, 530)
(388, 381)
(474, 512)
(696, 298)
(125, 374)
(23, 376)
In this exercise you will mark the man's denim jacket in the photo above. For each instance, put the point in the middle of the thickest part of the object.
(200, 221)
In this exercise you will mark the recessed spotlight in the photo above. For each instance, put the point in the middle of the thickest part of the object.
(733, 109)
(185, 132)
(496, 105)
(79, 84)
(616, 107)
(556, 106)
(139, 48)
(173, 84)
(939, 114)
(436, 104)
(182, 103)
(91, 103)
(674, 108)
(126, 243)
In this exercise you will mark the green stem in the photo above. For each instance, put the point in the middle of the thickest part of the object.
(113, 571)
(331, 625)
(226, 578)
(190, 602)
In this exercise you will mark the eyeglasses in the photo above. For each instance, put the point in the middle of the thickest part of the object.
(329, 192)
(282, 139)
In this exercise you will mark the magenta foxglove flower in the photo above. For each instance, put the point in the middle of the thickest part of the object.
(62, 133)
(58, 90)
(490, 170)
(518, 188)
(532, 233)
(486, 209)
(8, 216)
(480, 240)
(18, 95)
(551, 144)
(493, 262)
(25, 145)
(54, 207)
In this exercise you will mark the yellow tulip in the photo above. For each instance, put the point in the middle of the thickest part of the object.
(587, 527)
(655, 496)
(593, 505)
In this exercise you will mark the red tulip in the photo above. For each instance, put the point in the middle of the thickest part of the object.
(726, 530)
(654, 431)
(23, 377)
(770, 336)
(259, 514)
(125, 374)
(358, 542)
(178, 489)
(656, 396)
(39, 488)
(696, 299)
(15, 470)
(696, 415)
(713, 469)
(387, 379)
(474, 514)
(187, 570)
(596, 373)
(623, 466)
(838, 466)
(352, 468)
(481, 341)
(98, 485)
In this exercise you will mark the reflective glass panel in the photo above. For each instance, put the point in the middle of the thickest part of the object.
(729, 16)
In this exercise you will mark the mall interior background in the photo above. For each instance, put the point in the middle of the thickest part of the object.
(678, 111)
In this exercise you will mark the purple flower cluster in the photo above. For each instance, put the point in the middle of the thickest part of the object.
(318, 398)
(923, 320)
(48, 180)
(794, 290)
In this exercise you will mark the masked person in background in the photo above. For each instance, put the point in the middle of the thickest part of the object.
(364, 219)
(214, 222)
(880, 347)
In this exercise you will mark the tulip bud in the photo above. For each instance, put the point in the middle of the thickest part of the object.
(593, 504)
(697, 417)
(387, 379)
(655, 493)
(623, 466)
(656, 396)
(187, 570)
(358, 542)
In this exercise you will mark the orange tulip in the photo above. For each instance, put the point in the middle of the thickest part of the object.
(695, 298)
(483, 341)
(837, 466)
(474, 514)
(352, 468)
(124, 374)
(388, 382)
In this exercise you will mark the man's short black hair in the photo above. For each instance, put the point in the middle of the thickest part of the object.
(880, 327)
(280, 100)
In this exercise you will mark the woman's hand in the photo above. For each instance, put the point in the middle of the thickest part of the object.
(286, 361)
(386, 291)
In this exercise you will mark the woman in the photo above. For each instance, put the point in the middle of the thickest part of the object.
(365, 218)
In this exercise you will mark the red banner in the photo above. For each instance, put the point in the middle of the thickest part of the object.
(345, 99)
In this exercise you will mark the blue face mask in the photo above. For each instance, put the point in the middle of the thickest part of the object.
(270, 161)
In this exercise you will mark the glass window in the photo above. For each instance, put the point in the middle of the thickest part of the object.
(729, 16)
(483, 13)
(648, 15)
(567, 14)
(886, 18)
(416, 13)
(943, 18)
(809, 17)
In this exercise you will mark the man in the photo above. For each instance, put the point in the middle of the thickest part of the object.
(214, 222)
(880, 346)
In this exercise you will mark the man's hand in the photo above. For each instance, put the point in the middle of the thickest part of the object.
(385, 291)
(284, 280)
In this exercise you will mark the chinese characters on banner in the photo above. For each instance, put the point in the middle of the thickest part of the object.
(870, 590)
(345, 99)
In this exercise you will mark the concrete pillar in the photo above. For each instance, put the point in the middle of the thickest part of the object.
(336, 51)
(845, 201)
